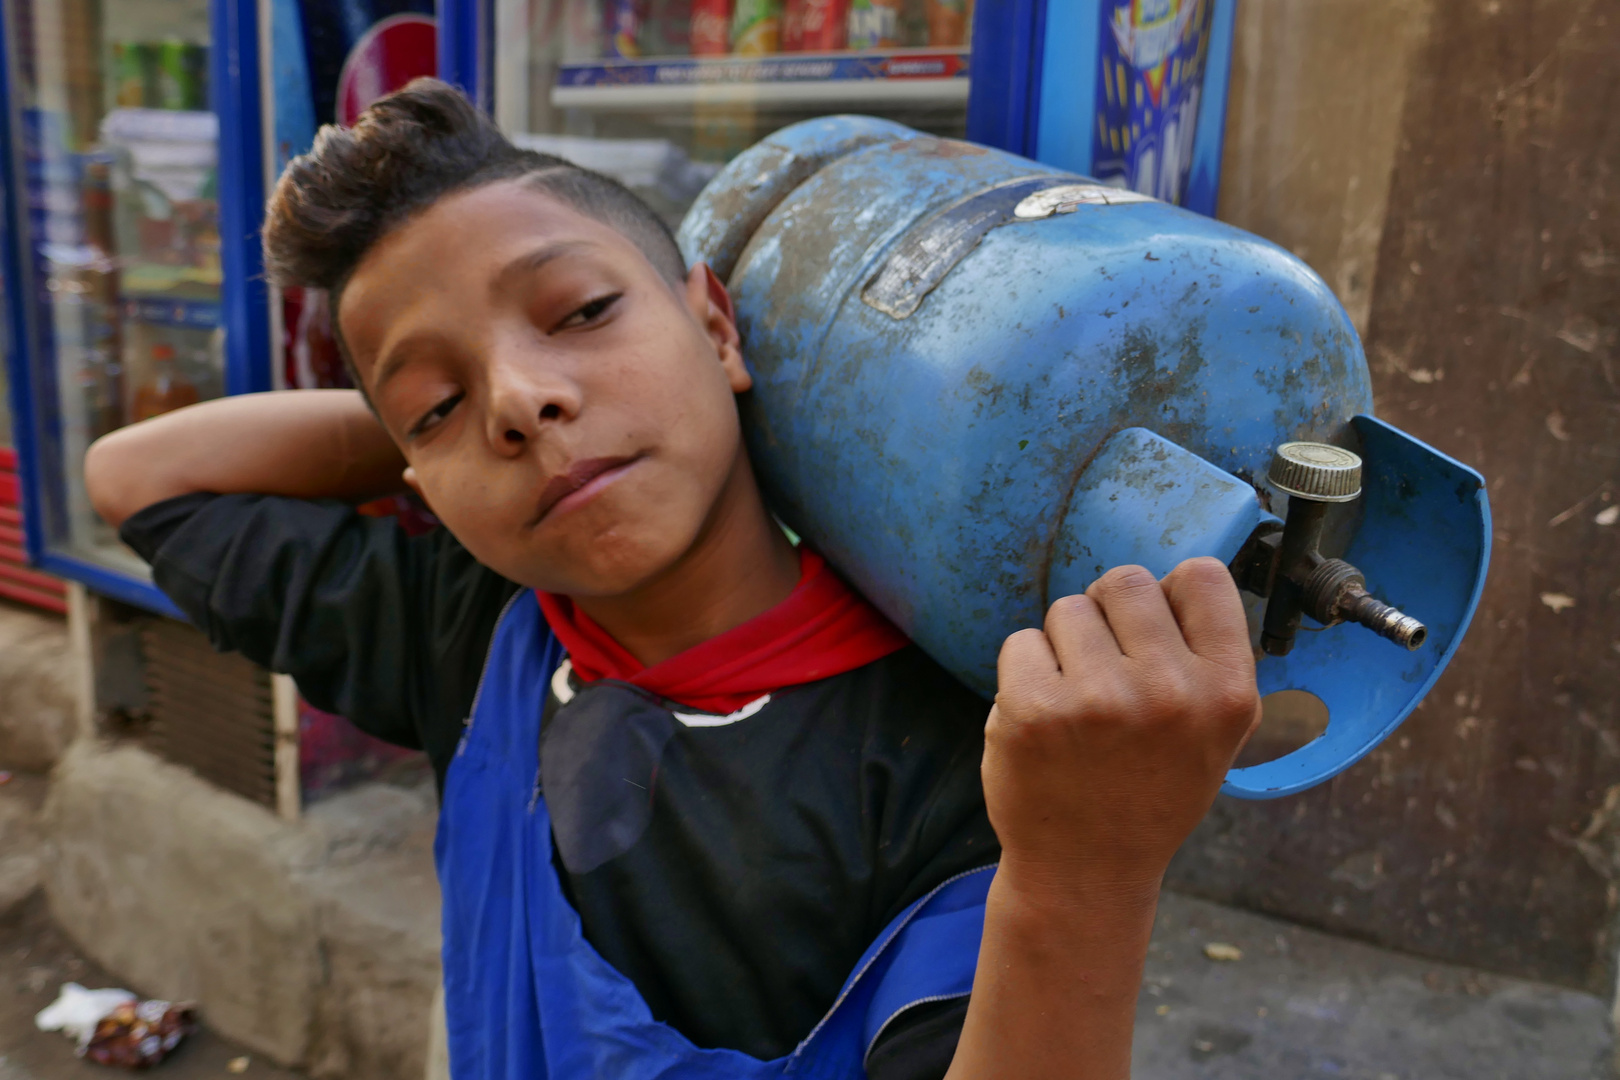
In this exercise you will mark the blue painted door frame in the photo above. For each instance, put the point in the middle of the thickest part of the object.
(234, 79)
(1004, 100)
(465, 55)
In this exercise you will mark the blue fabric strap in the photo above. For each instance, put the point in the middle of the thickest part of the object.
(529, 998)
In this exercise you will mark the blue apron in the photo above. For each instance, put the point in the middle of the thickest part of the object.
(528, 998)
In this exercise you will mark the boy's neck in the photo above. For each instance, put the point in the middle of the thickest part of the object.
(740, 566)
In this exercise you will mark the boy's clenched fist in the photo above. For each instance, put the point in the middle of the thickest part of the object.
(1114, 726)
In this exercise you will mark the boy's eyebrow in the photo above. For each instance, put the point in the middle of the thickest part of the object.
(530, 261)
(526, 263)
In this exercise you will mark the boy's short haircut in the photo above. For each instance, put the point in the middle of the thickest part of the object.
(405, 153)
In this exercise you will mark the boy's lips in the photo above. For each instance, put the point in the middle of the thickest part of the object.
(580, 482)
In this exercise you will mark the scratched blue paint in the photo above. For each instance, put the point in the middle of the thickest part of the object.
(944, 461)
(1145, 500)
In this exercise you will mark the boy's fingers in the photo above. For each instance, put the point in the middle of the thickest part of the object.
(1079, 635)
(1138, 613)
(1206, 603)
(1025, 663)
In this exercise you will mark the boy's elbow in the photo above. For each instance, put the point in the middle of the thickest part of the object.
(112, 481)
(100, 463)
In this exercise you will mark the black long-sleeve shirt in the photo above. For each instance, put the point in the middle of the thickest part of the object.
(391, 632)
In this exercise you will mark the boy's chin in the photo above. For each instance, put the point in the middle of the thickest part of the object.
(596, 575)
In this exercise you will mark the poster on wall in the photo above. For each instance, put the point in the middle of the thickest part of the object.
(1133, 93)
(332, 58)
(328, 61)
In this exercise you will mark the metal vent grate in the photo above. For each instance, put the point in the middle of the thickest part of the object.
(211, 712)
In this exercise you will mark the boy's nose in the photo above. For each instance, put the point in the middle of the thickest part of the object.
(523, 402)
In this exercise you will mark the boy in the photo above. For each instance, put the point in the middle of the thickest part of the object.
(705, 813)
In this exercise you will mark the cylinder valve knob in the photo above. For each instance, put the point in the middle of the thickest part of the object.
(1316, 471)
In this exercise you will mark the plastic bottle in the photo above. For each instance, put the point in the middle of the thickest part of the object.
(166, 389)
(756, 27)
(874, 24)
(711, 27)
(625, 33)
(815, 25)
(948, 22)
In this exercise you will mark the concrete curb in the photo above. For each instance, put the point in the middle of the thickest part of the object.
(315, 943)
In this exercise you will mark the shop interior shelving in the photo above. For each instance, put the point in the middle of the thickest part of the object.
(795, 81)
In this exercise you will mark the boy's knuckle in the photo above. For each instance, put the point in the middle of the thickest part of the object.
(1010, 732)
(1046, 702)
(1023, 697)
(1179, 691)
(1166, 699)
(1235, 700)
(1109, 698)
(1069, 608)
(1020, 644)
(1123, 581)
(1205, 570)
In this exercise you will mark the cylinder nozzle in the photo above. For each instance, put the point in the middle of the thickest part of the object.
(1302, 582)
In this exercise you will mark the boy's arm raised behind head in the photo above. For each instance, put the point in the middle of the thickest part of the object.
(303, 443)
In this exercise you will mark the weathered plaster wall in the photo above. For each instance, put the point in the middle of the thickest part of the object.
(1492, 315)
(38, 715)
(1313, 126)
(314, 943)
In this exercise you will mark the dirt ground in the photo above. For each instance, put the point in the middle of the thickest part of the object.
(35, 960)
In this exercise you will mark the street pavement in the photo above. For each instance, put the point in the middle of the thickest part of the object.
(1294, 1005)
(1301, 1004)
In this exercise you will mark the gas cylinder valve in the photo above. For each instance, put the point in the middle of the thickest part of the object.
(1287, 567)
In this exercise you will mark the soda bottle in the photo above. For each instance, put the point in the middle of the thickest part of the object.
(129, 74)
(625, 33)
(175, 71)
(874, 24)
(711, 27)
(666, 28)
(166, 389)
(756, 27)
(948, 22)
(815, 25)
(196, 61)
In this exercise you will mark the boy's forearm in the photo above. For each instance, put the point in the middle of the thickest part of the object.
(305, 443)
(1054, 995)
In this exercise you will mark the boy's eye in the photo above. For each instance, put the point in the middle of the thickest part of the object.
(434, 415)
(589, 313)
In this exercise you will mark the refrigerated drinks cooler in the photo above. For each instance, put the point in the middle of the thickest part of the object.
(661, 93)
(133, 186)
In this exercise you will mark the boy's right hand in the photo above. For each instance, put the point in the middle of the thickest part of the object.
(1113, 729)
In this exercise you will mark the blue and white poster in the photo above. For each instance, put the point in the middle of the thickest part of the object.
(1133, 93)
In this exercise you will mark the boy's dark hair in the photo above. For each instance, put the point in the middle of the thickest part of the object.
(406, 152)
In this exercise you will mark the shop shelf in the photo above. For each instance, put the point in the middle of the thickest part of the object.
(796, 81)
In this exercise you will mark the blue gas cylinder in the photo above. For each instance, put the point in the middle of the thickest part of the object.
(981, 382)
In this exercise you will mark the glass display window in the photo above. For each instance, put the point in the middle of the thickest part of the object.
(117, 147)
(661, 93)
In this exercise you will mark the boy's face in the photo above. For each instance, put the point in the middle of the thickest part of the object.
(566, 412)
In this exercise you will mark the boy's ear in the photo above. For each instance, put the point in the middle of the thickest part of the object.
(706, 296)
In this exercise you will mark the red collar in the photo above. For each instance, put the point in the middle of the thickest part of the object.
(824, 628)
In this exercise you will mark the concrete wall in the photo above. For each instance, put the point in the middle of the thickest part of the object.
(315, 943)
(1451, 169)
(38, 689)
